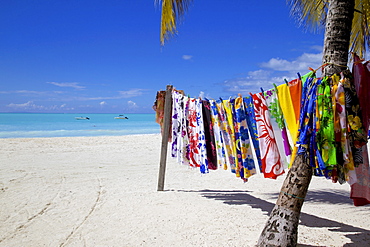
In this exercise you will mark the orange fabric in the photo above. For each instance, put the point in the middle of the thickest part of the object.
(295, 89)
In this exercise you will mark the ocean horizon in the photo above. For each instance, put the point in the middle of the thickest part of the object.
(30, 125)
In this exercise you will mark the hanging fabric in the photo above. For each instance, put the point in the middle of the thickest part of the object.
(361, 75)
(176, 123)
(295, 90)
(226, 135)
(277, 114)
(180, 140)
(158, 107)
(286, 105)
(360, 191)
(272, 166)
(209, 135)
(344, 171)
(307, 128)
(227, 106)
(252, 126)
(325, 137)
(217, 131)
(326, 120)
(244, 149)
(356, 132)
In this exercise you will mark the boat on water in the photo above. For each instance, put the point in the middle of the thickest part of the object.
(121, 117)
(82, 118)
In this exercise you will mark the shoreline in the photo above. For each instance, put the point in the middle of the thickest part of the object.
(102, 136)
(102, 191)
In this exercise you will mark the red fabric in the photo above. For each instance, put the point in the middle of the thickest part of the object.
(361, 79)
(360, 191)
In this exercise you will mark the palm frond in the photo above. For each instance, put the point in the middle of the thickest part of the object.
(310, 14)
(360, 35)
(172, 12)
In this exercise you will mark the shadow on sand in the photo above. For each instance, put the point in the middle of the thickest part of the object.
(239, 197)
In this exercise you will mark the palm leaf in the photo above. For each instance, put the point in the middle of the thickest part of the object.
(309, 13)
(360, 36)
(172, 11)
(312, 14)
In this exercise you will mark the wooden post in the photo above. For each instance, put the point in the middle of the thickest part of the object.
(165, 135)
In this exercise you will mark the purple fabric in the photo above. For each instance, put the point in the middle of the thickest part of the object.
(284, 135)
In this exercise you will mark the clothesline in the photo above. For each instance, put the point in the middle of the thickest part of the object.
(312, 114)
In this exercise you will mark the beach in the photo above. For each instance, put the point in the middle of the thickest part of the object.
(102, 191)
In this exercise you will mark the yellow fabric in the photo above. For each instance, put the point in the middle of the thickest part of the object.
(230, 121)
(286, 105)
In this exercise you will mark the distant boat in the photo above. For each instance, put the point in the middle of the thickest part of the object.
(121, 117)
(82, 118)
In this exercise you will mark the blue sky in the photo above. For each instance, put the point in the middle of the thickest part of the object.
(79, 56)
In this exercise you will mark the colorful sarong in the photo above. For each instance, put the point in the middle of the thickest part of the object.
(220, 147)
(252, 126)
(270, 155)
(227, 136)
(245, 156)
(209, 135)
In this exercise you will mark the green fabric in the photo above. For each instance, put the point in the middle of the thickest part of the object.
(325, 135)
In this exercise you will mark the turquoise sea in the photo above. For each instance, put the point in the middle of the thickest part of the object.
(24, 125)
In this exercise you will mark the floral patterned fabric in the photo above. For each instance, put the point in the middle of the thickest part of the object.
(227, 136)
(197, 146)
(344, 170)
(217, 131)
(356, 133)
(244, 149)
(209, 135)
(361, 75)
(360, 191)
(276, 113)
(325, 137)
(272, 166)
(252, 126)
(229, 124)
(307, 129)
(177, 110)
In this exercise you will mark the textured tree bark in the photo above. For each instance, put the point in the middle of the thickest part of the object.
(281, 228)
(337, 35)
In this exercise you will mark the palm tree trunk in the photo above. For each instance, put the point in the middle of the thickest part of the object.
(281, 228)
(337, 35)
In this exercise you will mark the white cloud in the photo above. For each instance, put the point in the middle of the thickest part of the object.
(131, 93)
(103, 103)
(273, 71)
(253, 82)
(121, 95)
(29, 92)
(31, 106)
(67, 84)
(302, 63)
(187, 57)
(317, 48)
(131, 104)
(26, 106)
(203, 95)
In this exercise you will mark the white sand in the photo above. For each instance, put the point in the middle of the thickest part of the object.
(102, 191)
